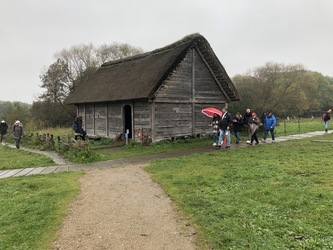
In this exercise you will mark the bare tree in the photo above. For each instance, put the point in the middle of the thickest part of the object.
(116, 51)
(78, 58)
(71, 68)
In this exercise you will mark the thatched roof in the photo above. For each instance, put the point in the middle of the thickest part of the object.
(139, 77)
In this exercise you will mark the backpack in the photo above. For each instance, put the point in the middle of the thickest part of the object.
(324, 116)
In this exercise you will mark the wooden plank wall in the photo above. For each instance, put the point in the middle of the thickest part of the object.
(142, 117)
(172, 120)
(89, 119)
(107, 120)
(115, 120)
(206, 88)
(178, 103)
(178, 86)
(100, 120)
(172, 105)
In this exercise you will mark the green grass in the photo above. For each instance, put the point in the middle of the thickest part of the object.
(11, 158)
(134, 149)
(303, 126)
(33, 207)
(271, 196)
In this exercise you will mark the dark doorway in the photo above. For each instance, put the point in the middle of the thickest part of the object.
(128, 120)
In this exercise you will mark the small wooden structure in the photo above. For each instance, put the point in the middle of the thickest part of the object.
(162, 91)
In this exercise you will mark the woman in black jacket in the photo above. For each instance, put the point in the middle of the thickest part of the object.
(3, 129)
(237, 124)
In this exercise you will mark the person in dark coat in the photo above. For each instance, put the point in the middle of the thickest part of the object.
(246, 119)
(3, 129)
(224, 127)
(237, 125)
(18, 133)
(79, 132)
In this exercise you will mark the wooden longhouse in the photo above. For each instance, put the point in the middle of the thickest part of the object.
(162, 91)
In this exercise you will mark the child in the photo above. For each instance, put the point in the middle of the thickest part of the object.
(215, 125)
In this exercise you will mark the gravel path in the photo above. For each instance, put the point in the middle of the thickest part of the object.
(122, 208)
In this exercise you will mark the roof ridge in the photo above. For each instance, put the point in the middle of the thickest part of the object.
(192, 37)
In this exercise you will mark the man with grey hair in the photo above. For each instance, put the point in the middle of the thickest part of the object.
(224, 127)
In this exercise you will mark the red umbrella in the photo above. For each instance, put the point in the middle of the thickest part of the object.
(211, 111)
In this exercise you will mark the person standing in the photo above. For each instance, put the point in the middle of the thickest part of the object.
(254, 123)
(79, 132)
(327, 117)
(270, 123)
(237, 123)
(246, 119)
(224, 127)
(215, 125)
(18, 133)
(3, 129)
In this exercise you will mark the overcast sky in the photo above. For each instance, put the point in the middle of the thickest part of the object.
(244, 34)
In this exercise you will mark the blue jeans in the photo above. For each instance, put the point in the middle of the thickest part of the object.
(272, 133)
(326, 124)
(17, 141)
(237, 135)
(215, 137)
(222, 132)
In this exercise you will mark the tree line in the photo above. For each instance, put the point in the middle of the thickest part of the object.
(286, 90)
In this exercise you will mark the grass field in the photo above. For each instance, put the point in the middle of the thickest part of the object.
(295, 126)
(11, 158)
(270, 196)
(33, 207)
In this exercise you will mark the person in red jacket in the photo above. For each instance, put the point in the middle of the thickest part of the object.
(326, 117)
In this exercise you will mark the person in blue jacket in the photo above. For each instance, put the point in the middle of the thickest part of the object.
(270, 123)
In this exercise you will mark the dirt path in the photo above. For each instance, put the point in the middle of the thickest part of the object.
(122, 208)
